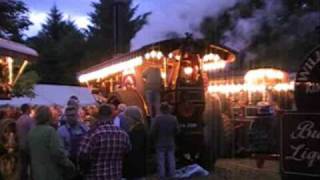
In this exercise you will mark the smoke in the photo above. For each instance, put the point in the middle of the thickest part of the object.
(175, 17)
(272, 35)
(246, 29)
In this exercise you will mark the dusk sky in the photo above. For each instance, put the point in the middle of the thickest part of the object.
(167, 15)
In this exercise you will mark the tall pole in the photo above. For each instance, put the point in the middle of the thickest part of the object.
(119, 17)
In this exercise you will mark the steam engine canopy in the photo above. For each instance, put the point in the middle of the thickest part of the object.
(14, 57)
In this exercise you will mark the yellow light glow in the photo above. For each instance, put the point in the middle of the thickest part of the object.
(129, 71)
(147, 56)
(284, 86)
(110, 70)
(226, 88)
(159, 55)
(25, 63)
(188, 70)
(236, 88)
(214, 65)
(10, 67)
(163, 75)
(153, 54)
(211, 62)
(253, 76)
(211, 57)
(255, 87)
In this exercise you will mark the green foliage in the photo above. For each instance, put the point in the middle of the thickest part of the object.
(100, 34)
(60, 45)
(25, 84)
(13, 19)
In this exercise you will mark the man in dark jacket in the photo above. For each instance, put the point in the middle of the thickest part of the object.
(164, 129)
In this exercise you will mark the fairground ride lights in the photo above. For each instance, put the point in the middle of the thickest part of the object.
(213, 62)
(214, 65)
(284, 86)
(225, 88)
(211, 57)
(236, 88)
(188, 70)
(112, 69)
(10, 67)
(129, 71)
(256, 75)
(153, 55)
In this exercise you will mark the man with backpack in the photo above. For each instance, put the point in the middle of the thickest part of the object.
(72, 132)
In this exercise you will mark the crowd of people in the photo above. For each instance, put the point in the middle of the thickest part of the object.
(102, 142)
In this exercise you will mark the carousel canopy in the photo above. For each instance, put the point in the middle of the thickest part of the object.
(53, 94)
(13, 49)
(157, 50)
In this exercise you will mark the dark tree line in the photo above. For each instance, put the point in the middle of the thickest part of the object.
(61, 47)
(65, 50)
(13, 19)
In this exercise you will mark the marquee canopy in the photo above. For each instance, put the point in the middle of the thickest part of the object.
(53, 94)
(14, 49)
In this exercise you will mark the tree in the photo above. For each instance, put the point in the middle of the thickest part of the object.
(25, 85)
(13, 19)
(100, 33)
(61, 46)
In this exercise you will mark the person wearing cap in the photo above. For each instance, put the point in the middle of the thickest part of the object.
(135, 162)
(48, 157)
(163, 131)
(103, 148)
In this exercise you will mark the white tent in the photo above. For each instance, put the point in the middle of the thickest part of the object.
(54, 94)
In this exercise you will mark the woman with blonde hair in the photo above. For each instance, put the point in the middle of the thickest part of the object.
(135, 162)
(48, 158)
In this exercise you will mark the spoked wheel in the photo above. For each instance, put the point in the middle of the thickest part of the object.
(217, 131)
(129, 97)
(211, 116)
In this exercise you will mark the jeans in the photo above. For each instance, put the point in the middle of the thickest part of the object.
(166, 162)
(153, 101)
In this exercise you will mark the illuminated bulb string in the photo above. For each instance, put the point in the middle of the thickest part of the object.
(213, 62)
(112, 69)
(236, 88)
